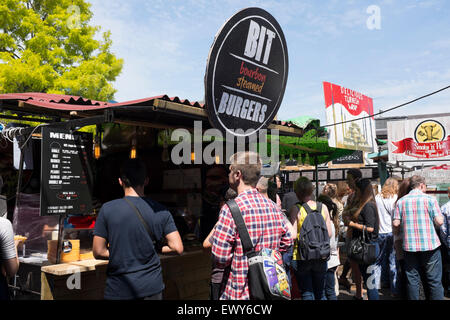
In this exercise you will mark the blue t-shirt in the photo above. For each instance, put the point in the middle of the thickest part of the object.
(134, 269)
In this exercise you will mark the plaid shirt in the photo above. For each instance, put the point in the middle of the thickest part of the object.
(416, 212)
(445, 228)
(267, 229)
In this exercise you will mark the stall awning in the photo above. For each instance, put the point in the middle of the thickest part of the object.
(160, 111)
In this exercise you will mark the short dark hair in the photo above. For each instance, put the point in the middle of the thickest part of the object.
(133, 173)
(303, 187)
(356, 173)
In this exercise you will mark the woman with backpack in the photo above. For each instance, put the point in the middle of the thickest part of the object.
(365, 221)
(309, 265)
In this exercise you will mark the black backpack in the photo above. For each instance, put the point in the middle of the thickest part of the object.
(314, 242)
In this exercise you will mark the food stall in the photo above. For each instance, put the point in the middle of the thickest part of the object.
(48, 269)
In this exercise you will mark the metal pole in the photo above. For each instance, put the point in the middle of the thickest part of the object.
(317, 177)
(60, 238)
(19, 178)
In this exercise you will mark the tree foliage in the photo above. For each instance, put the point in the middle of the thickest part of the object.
(49, 46)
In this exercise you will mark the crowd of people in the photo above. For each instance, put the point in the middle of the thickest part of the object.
(402, 232)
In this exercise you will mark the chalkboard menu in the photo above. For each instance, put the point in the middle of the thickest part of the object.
(66, 174)
(354, 158)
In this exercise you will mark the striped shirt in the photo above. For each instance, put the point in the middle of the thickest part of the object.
(267, 229)
(416, 212)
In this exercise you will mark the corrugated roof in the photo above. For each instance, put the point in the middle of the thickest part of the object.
(67, 103)
(47, 98)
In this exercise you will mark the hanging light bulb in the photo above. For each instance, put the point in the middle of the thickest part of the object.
(217, 160)
(97, 150)
(133, 152)
(97, 147)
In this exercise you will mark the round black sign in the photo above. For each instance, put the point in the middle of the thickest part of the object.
(246, 73)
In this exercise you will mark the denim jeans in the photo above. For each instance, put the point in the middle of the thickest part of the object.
(369, 275)
(287, 261)
(329, 286)
(431, 263)
(386, 269)
(310, 277)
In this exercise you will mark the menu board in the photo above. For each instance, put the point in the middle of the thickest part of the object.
(293, 176)
(336, 175)
(323, 175)
(66, 173)
(308, 174)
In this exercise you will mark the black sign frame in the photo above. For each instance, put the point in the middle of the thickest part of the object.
(248, 61)
(66, 172)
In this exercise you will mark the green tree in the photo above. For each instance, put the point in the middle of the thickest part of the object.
(48, 46)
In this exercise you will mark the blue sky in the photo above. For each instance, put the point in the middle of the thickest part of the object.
(165, 45)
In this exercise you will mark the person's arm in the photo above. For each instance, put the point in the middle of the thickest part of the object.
(293, 219)
(370, 215)
(287, 238)
(207, 243)
(438, 218)
(396, 220)
(174, 243)
(224, 239)
(10, 262)
(11, 266)
(327, 219)
(100, 248)
(100, 243)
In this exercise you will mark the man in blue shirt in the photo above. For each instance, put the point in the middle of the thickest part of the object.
(134, 269)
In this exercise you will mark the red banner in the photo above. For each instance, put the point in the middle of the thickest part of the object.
(353, 101)
(442, 167)
(427, 150)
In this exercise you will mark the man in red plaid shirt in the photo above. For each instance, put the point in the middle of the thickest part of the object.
(264, 221)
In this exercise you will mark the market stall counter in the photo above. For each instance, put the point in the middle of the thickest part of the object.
(186, 277)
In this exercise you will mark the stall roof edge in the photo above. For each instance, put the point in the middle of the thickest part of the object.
(41, 103)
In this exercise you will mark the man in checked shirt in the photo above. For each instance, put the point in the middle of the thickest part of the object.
(418, 214)
(264, 220)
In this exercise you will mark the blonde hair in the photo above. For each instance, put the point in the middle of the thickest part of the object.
(249, 164)
(390, 188)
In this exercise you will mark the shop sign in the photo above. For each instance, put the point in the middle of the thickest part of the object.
(66, 173)
(344, 105)
(425, 138)
(356, 157)
(246, 73)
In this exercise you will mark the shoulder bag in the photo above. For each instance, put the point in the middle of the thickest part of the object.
(361, 251)
(267, 278)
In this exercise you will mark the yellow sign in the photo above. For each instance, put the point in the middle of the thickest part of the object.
(429, 131)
